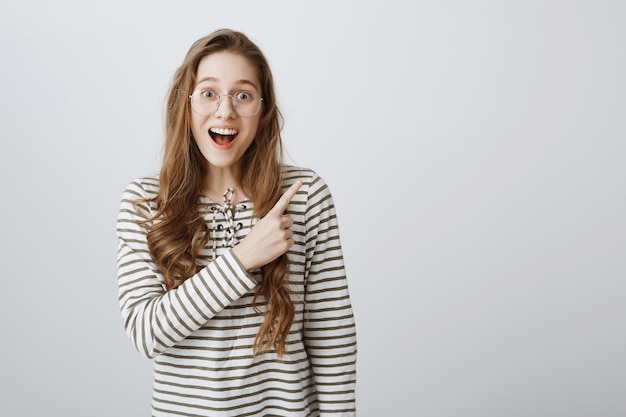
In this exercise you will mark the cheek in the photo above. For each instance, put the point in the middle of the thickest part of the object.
(195, 124)
(253, 128)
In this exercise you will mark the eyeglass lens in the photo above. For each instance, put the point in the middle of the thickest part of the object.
(245, 104)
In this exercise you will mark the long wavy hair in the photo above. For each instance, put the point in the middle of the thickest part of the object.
(176, 239)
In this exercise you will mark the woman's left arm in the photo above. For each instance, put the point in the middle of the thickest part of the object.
(329, 328)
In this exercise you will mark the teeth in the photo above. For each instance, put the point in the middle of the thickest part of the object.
(222, 131)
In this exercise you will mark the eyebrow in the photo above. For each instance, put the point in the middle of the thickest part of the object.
(238, 82)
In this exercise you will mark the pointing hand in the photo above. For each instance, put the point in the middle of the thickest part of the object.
(270, 237)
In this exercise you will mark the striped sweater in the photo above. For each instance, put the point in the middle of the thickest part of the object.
(200, 334)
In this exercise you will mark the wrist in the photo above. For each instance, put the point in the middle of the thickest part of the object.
(240, 253)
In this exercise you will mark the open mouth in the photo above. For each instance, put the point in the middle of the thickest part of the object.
(222, 136)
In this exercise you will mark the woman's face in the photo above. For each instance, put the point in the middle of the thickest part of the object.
(222, 134)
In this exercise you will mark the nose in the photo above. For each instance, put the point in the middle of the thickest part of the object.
(225, 109)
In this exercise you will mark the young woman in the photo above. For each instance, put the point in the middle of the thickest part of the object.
(231, 275)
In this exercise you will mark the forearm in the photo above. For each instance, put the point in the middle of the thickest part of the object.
(156, 320)
(329, 331)
(330, 337)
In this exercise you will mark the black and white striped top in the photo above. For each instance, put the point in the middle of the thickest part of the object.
(201, 333)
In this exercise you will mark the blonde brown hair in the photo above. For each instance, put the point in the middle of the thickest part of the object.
(176, 240)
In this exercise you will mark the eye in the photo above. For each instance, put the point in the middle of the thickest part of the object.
(243, 96)
(208, 94)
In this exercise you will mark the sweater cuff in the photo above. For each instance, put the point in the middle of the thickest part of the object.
(241, 271)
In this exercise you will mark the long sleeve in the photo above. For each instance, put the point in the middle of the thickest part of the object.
(153, 318)
(329, 328)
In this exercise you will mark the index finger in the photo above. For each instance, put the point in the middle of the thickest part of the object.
(285, 199)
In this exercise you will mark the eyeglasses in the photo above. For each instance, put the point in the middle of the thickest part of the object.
(206, 102)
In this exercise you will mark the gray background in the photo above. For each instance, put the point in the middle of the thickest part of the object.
(475, 150)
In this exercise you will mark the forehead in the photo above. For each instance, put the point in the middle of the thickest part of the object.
(227, 69)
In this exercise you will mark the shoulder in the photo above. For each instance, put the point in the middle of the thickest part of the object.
(139, 193)
(309, 178)
(314, 193)
(292, 174)
(142, 188)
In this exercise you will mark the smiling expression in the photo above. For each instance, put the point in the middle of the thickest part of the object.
(223, 137)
